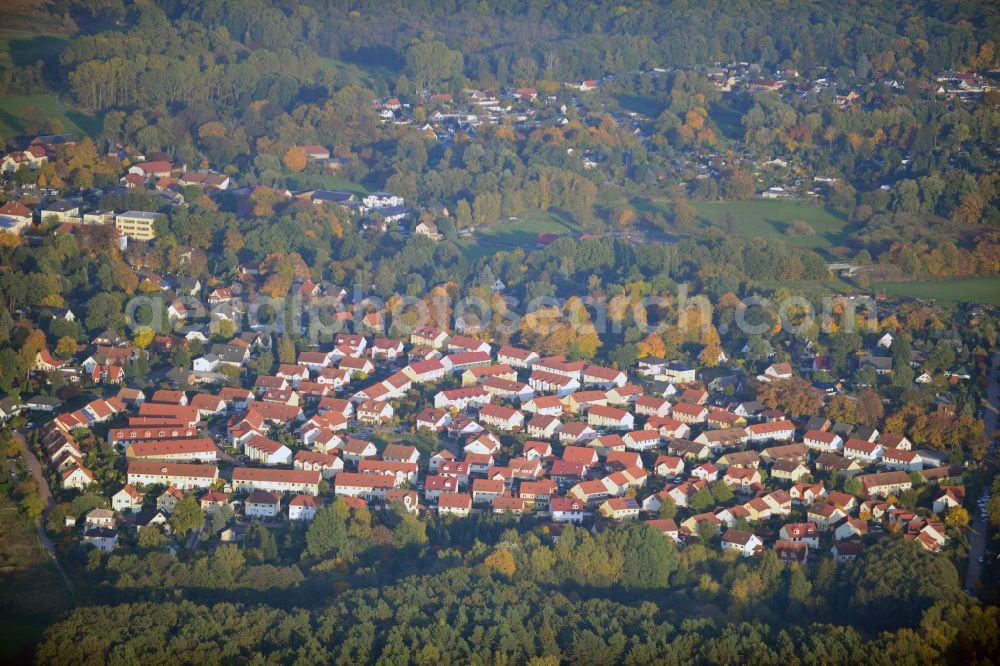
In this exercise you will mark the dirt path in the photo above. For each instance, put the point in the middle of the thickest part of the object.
(45, 493)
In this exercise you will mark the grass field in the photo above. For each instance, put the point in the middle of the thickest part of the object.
(728, 118)
(19, 114)
(971, 290)
(522, 233)
(33, 593)
(17, 111)
(650, 108)
(769, 219)
(819, 287)
(312, 181)
(18, 639)
(19, 47)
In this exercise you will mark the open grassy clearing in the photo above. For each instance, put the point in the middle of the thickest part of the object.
(33, 593)
(968, 290)
(21, 47)
(523, 233)
(728, 115)
(315, 181)
(18, 639)
(770, 218)
(833, 287)
(650, 108)
(18, 113)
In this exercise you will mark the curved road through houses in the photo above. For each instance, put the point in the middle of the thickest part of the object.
(978, 528)
(43, 490)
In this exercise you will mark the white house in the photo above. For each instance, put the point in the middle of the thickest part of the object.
(262, 504)
(267, 451)
(102, 538)
(862, 450)
(516, 358)
(745, 543)
(908, 461)
(127, 499)
(821, 440)
(567, 510)
(642, 440)
(770, 430)
(302, 507)
(595, 375)
(462, 398)
(601, 416)
(77, 477)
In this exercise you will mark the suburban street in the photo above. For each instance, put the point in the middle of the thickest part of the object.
(978, 527)
(43, 490)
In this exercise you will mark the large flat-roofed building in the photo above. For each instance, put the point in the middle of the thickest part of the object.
(61, 211)
(137, 224)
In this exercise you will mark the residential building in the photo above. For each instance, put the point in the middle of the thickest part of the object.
(138, 225)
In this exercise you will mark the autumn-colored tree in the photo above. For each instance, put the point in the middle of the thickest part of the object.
(710, 355)
(212, 129)
(34, 342)
(869, 408)
(796, 396)
(264, 200)
(651, 345)
(957, 518)
(143, 338)
(841, 408)
(295, 159)
(970, 209)
(501, 560)
(65, 347)
(233, 240)
(286, 350)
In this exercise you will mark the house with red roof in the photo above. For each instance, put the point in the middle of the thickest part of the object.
(567, 510)
(619, 508)
(15, 217)
(516, 357)
(303, 507)
(45, 362)
(454, 504)
(595, 375)
(601, 416)
(770, 431)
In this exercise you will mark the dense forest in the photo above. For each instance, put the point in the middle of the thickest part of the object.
(237, 86)
(625, 596)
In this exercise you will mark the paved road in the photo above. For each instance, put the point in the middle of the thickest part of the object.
(978, 529)
(43, 490)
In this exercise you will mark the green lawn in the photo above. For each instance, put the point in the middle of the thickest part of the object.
(971, 290)
(728, 118)
(523, 233)
(20, 47)
(364, 74)
(32, 590)
(16, 111)
(315, 181)
(650, 108)
(819, 287)
(761, 218)
(18, 640)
